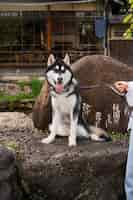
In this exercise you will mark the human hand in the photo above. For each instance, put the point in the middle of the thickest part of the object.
(121, 86)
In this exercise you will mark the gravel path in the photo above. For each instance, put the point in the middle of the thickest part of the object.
(17, 132)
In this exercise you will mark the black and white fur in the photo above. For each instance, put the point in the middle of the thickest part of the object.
(66, 105)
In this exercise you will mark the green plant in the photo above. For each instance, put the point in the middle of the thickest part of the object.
(118, 136)
(18, 97)
(36, 86)
(128, 19)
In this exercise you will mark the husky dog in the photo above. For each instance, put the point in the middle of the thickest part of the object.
(67, 117)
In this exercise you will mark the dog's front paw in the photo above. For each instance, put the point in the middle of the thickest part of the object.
(72, 143)
(47, 140)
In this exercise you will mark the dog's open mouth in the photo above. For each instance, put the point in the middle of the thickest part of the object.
(59, 87)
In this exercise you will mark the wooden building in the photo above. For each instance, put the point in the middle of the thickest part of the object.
(119, 47)
(31, 29)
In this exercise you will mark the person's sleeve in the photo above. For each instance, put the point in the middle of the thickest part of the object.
(129, 94)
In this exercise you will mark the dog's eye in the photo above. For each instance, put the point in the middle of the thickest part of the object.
(57, 67)
(62, 68)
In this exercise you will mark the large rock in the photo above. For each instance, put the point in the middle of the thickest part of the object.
(41, 109)
(107, 108)
(93, 171)
(15, 121)
(9, 188)
(89, 171)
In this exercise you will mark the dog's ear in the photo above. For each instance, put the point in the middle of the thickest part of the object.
(51, 60)
(67, 59)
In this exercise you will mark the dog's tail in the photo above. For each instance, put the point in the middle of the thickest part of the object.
(98, 134)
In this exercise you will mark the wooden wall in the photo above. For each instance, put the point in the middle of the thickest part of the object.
(122, 50)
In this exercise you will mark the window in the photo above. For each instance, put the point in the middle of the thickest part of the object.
(119, 8)
(20, 31)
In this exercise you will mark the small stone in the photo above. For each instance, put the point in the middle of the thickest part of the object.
(27, 89)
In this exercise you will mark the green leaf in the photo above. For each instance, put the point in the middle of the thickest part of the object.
(127, 18)
(131, 21)
(131, 27)
(130, 1)
(128, 34)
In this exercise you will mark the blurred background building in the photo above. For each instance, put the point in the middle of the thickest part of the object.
(31, 29)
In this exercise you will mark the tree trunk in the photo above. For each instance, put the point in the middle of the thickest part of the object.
(41, 108)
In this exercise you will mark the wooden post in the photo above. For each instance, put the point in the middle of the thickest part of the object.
(49, 33)
(63, 39)
(106, 10)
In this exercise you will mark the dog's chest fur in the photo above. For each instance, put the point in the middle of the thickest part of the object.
(63, 107)
(63, 104)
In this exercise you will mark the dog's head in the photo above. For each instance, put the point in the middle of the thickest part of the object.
(59, 73)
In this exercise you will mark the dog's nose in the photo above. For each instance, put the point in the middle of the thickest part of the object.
(59, 79)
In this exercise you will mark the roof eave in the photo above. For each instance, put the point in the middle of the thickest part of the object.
(49, 2)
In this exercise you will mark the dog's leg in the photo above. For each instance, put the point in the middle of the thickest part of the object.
(50, 138)
(73, 130)
(53, 130)
(74, 116)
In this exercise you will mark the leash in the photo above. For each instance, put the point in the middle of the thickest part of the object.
(87, 87)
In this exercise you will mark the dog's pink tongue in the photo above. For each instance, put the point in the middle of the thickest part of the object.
(59, 88)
